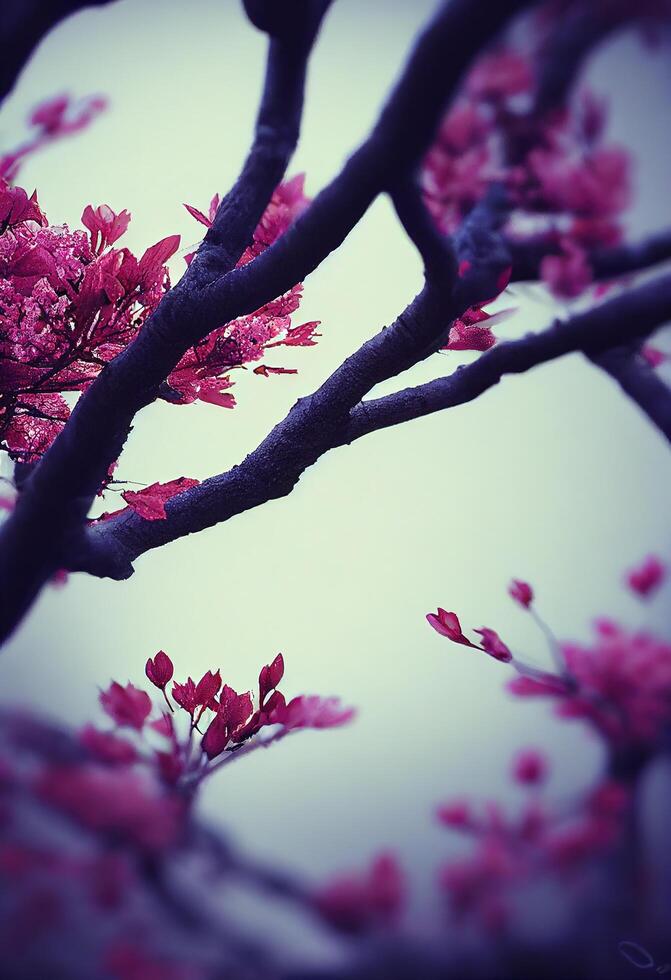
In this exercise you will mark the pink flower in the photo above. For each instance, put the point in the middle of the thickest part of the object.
(653, 355)
(447, 624)
(312, 712)
(470, 336)
(105, 225)
(530, 767)
(216, 737)
(521, 592)
(546, 685)
(128, 706)
(159, 670)
(270, 677)
(185, 695)
(500, 74)
(115, 801)
(356, 902)
(16, 206)
(494, 645)
(456, 814)
(569, 273)
(107, 747)
(647, 577)
(150, 502)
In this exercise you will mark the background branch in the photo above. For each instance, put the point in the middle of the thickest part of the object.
(640, 381)
(23, 24)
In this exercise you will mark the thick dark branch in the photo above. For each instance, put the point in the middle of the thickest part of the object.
(392, 151)
(569, 45)
(23, 24)
(55, 499)
(51, 509)
(313, 426)
(622, 320)
(434, 248)
(607, 263)
(335, 416)
(639, 380)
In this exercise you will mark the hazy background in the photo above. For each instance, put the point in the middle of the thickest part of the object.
(553, 476)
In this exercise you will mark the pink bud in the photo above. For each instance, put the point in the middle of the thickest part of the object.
(270, 677)
(530, 767)
(159, 670)
(447, 624)
(521, 592)
(647, 577)
(494, 645)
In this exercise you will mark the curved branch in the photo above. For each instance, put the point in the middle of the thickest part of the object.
(606, 263)
(334, 416)
(50, 512)
(55, 498)
(640, 381)
(23, 24)
(631, 316)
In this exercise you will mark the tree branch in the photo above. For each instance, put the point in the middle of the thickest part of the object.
(23, 24)
(51, 510)
(606, 263)
(639, 380)
(55, 498)
(628, 317)
(335, 416)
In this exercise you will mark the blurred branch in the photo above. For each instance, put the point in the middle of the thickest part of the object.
(606, 263)
(640, 382)
(23, 24)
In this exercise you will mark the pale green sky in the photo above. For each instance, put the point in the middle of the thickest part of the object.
(552, 476)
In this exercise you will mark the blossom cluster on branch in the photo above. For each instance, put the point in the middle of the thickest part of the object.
(72, 300)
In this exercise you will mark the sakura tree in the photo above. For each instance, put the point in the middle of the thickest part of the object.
(502, 172)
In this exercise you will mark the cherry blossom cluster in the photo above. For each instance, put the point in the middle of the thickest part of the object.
(620, 684)
(95, 825)
(51, 120)
(540, 841)
(71, 300)
(203, 371)
(206, 725)
(567, 187)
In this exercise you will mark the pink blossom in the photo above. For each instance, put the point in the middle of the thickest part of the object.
(500, 74)
(470, 336)
(216, 737)
(159, 670)
(530, 767)
(104, 225)
(447, 624)
(270, 677)
(494, 645)
(647, 577)
(107, 747)
(521, 592)
(116, 800)
(150, 502)
(653, 355)
(127, 706)
(356, 902)
(312, 712)
(456, 814)
(569, 273)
